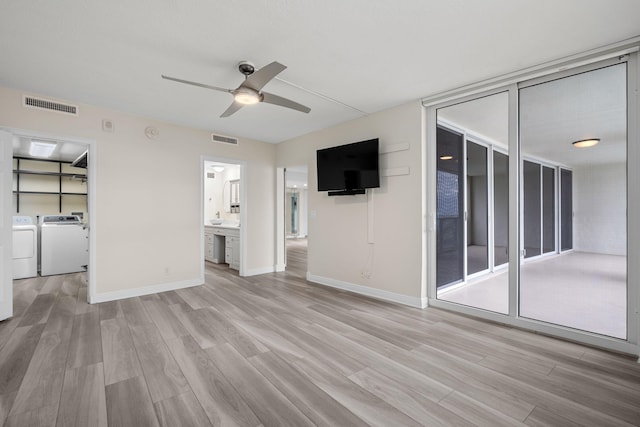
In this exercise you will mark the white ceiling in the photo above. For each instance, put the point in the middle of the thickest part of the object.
(368, 54)
(555, 114)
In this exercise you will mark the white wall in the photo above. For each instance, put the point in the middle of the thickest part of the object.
(213, 200)
(158, 183)
(338, 248)
(600, 209)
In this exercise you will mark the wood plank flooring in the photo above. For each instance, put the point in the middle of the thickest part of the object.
(274, 350)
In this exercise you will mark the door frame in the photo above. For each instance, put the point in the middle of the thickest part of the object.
(6, 226)
(92, 155)
(281, 213)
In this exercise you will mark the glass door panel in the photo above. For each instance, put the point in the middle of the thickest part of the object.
(450, 208)
(477, 209)
(584, 288)
(471, 189)
(500, 208)
(532, 209)
(548, 209)
(566, 210)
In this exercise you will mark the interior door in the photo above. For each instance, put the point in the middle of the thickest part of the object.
(6, 230)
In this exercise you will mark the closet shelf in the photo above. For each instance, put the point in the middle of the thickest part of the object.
(53, 178)
(55, 193)
(28, 172)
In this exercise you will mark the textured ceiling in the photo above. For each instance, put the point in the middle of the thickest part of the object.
(368, 54)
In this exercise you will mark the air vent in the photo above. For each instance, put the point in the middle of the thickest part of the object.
(224, 139)
(45, 104)
(211, 175)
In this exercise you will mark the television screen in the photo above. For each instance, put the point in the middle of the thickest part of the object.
(349, 168)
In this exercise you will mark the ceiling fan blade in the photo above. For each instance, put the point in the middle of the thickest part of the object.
(264, 75)
(221, 89)
(235, 106)
(270, 98)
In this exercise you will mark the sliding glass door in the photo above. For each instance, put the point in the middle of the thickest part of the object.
(585, 288)
(500, 208)
(539, 211)
(450, 208)
(549, 219)
(477, 209)
(532, 209)
(472, 200)
(530, 222)
(566, 210)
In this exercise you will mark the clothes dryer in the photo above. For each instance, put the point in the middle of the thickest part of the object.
(25, 247)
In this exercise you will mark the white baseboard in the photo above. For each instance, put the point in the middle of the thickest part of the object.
(146, 290)
(280, 267)
(257, 271)
(367, 291)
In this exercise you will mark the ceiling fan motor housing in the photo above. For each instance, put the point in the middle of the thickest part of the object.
(246, 68)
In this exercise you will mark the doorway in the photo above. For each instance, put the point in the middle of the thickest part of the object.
(51, 176)
(223, 212)
(296, 197)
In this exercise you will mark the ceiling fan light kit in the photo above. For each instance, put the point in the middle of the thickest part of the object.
(250, 91)
(246, 96)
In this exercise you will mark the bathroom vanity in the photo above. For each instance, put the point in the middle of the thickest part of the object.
(222, 244)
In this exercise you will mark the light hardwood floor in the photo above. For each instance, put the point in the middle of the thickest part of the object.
(274, 350)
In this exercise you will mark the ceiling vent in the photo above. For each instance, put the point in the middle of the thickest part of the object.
(45, 104)
(224, 139)
(211, 175)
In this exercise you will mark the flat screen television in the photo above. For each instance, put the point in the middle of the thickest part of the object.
(348, 169)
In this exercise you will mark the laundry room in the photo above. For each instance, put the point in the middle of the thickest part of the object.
(50, 207)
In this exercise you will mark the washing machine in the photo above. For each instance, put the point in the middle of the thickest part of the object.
(25, 247)
(64, 245)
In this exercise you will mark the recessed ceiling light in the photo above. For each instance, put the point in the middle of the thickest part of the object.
(218, 168)
(586, 143)
(41, 148)
(447, 157)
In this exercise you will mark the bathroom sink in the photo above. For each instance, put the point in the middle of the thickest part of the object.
(215, 221)
(231, 223)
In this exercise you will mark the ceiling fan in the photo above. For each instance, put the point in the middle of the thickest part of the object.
(249, 92)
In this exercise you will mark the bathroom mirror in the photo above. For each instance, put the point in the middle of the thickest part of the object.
(231, 195)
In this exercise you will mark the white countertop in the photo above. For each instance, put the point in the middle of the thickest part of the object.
(231, 227)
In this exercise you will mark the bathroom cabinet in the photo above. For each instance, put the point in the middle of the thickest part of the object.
(222, 244)
(232, 252)
(208, 244)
